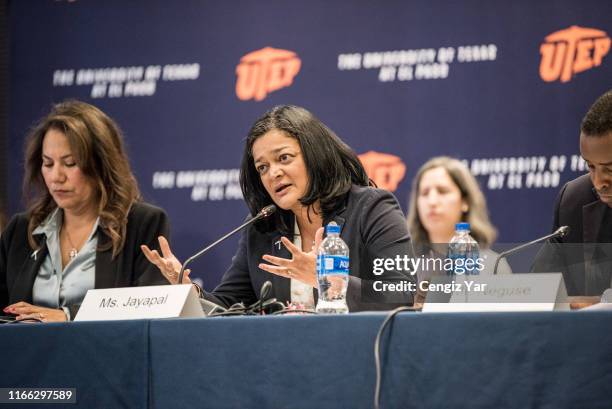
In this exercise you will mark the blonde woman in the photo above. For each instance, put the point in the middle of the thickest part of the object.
(444, 193)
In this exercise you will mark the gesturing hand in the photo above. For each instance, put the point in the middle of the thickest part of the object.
(169, 265)
(302, 265)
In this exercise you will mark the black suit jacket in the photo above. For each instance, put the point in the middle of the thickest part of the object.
(585, 263)
(19, 263)
(373, 226)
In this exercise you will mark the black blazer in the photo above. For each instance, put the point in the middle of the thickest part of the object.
(19, 266)
(582, 262)
(373, 226)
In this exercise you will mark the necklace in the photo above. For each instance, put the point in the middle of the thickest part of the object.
(73, 251)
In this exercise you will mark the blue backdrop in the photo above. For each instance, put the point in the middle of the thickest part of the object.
(501, 85)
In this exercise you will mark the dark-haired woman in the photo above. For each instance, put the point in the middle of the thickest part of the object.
(85, 222)
(293, 160)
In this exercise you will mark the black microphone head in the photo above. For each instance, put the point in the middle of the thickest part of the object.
(266, 211)
(265, 291)
(563, 231)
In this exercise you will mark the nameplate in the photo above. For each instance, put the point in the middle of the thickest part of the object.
(508, 292)
(130, 303)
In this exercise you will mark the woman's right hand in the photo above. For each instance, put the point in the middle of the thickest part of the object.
(169, 265)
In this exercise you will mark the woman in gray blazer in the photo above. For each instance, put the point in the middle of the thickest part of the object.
(444, 193)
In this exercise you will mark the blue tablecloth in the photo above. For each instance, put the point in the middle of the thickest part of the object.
(485, 360)
(108, 363)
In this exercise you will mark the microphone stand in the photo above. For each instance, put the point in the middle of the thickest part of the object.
(265, 212)
(560, 232)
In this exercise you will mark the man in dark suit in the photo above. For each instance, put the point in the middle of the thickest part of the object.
(584, 204)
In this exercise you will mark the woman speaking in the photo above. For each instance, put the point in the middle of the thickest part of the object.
(293, 160)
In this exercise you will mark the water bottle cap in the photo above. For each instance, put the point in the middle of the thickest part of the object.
(332, 228)
(463, 226)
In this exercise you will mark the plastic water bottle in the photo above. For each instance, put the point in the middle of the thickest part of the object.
(464, 251)
(332, 272)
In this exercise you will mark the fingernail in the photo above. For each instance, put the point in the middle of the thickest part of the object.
(5, 309)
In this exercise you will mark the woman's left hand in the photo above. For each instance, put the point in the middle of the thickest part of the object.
(302, 266)
(25, 311)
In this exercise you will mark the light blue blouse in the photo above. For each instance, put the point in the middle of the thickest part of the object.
(55, 287)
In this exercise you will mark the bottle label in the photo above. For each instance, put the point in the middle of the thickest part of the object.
(327, 264)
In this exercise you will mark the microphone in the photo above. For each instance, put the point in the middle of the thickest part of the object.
(560, 232)
(263, 213)
(264, 293)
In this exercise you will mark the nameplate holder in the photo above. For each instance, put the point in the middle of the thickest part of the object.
(131, 303)
(508, 292)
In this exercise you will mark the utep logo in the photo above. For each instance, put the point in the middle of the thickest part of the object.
(387, 171)
(570, 51)
(263, 71)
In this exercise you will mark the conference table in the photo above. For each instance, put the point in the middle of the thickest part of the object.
(429, 360)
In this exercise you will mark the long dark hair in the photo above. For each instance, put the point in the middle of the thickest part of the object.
(331, 164)
(97, 145)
